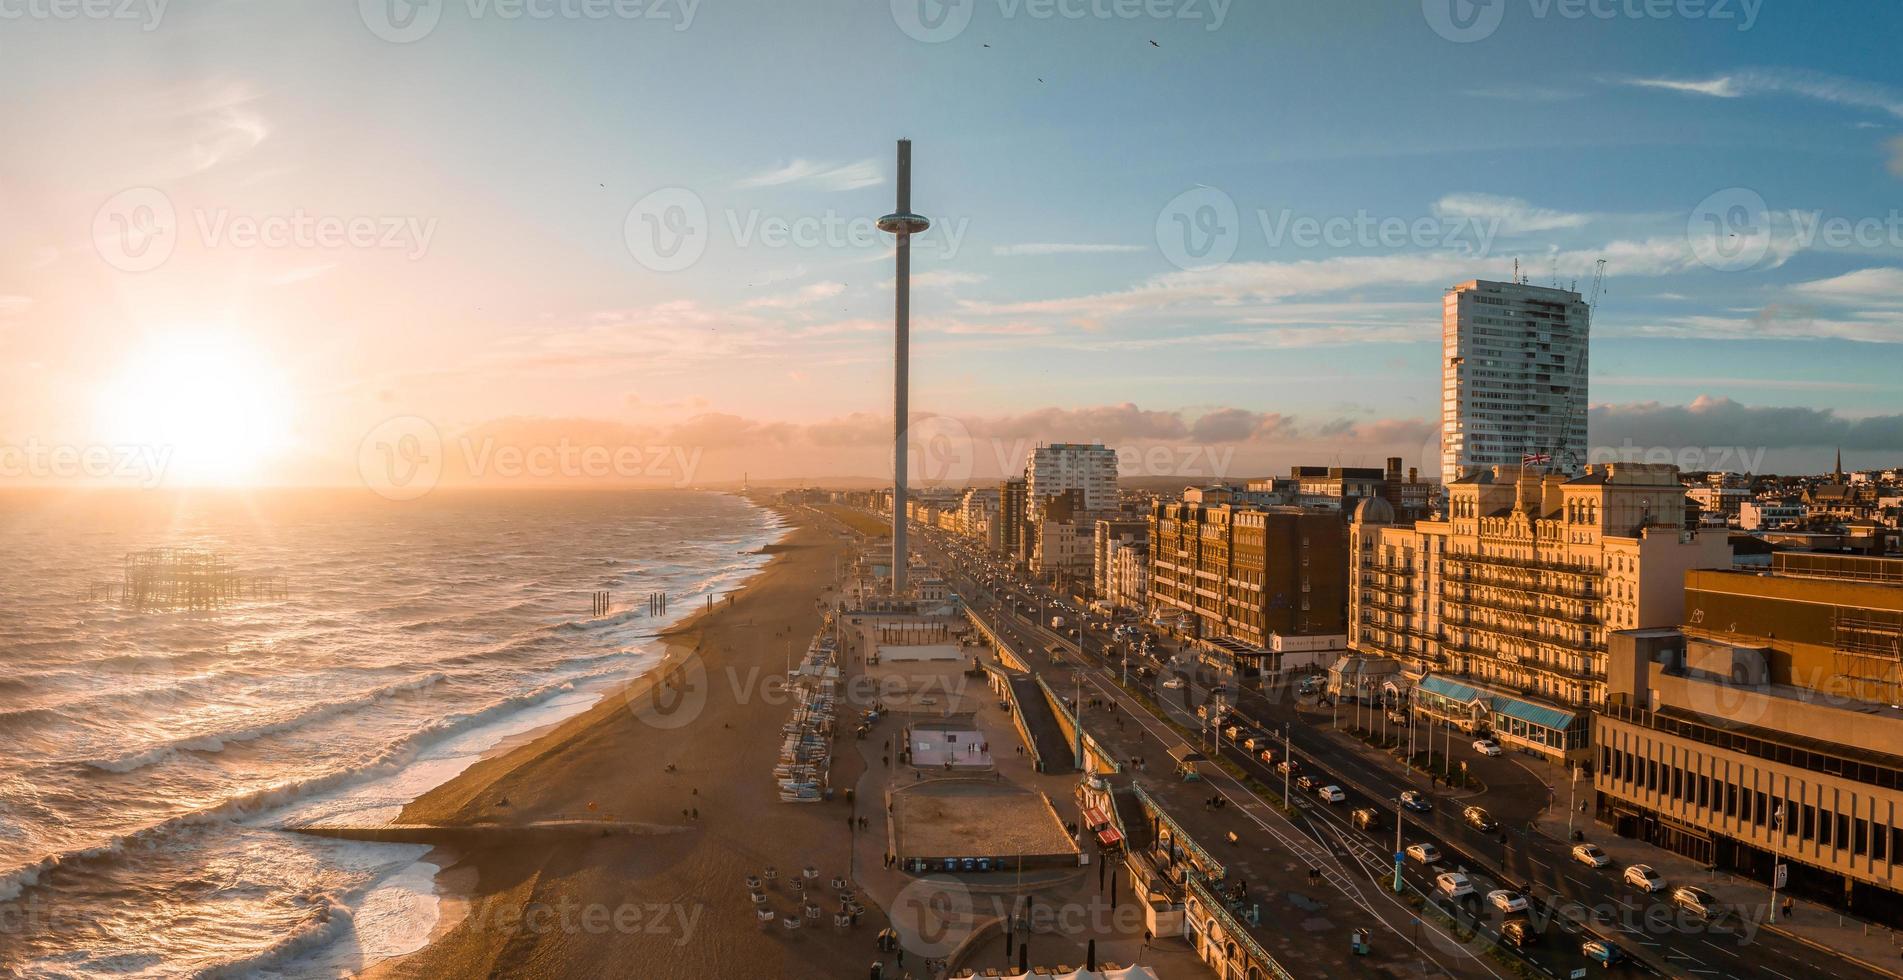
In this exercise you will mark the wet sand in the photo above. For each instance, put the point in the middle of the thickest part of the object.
(573, 857)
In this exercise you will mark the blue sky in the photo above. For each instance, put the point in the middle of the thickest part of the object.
(510, 166)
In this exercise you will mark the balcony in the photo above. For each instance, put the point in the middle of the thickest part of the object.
(1534, 588)
(1467, 598)
(1502, 561)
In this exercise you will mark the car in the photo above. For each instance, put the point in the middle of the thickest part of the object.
(1452, 884)
(1591, 856)
(1479, 819)
(1518, 933)
(1487, 746)
(1697, 901)
(1288, 766)
(1642, 877)
(1259, 741)
(1174, 684)
(1417, 801)
(1304, 783)
(1366, 818)
(1602, 952)
(1398, 717)
(1507, 901)
(1423, 853)
(1331, 794)
(1266, 755)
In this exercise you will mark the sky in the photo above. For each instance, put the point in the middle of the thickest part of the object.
(629, 241)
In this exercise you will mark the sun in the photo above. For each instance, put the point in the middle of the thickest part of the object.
(211, 407)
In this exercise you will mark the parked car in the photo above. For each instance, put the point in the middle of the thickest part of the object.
(1697, 901)
(1423, 853)
(1417, 801)
(1507, 901)
(1591, 856)
(1642, 877)
(1602, 952)
(1452, 884)
(1366, 818)
(1518, 933)
(1398, 717)
(1487, 746)
(1479, 819)
(1331, 794)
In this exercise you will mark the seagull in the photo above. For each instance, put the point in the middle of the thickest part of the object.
(1155, 45)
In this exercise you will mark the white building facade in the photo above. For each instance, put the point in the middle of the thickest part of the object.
(1513, 377)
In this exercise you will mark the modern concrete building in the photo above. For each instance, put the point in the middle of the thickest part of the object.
(1111, 536)
(1246, 572)
(1513, 376)
(1765, 731)
(1129, 586)
(1013, 517)
(1502, 608)
(1090, 468)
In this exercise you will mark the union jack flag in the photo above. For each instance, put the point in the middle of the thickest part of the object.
(1526, 458)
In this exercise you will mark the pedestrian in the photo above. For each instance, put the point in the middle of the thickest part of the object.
(697, 813)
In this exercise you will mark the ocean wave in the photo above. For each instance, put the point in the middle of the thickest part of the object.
(217, 742)
(330, 921)
(387, 761)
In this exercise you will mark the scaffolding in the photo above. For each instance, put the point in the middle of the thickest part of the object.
(1869, 646)
(191, 579)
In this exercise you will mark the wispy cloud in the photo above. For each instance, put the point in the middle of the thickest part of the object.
(1811, 85)
(1882, 286)
(942, 279)
(1514, 215)
(825, 176)
(804, 296)
(1063, 248)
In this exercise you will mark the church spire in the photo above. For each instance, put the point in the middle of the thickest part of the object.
(1839, 471)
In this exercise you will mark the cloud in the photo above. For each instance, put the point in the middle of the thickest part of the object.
(1722, 422)
(14, 305)
(826, 176)
(1881, 286)
(1513, 214)
(1810, 85)
(1064, 248)
(804, 296)
(942, 279)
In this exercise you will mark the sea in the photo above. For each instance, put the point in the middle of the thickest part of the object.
(153, 759)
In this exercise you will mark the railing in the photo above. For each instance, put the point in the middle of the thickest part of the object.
(1529, 609)
(1182, 837)
(1233, 928)
(1566, 568)
(1526, 588)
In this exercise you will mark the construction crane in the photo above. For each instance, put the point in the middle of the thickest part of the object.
(1598, 283)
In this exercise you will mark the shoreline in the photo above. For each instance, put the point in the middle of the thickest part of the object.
(539, 869)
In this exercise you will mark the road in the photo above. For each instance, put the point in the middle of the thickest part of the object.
(1570, 898)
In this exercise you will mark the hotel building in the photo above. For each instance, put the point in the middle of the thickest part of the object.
(1765, 731)
(1245, 572)
(1513, 376)
(1499, 612)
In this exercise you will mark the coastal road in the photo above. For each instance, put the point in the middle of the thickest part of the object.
(1675, 943)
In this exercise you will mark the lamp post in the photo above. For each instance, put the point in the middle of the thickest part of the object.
(903, 224)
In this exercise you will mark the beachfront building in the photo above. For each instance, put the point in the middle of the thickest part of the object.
(1227, 568)
(1765, 730)
(1129, 583)
(1500, 611)
(1090, 469)
(1513, 376)
(1013, 535)
(1112, 535)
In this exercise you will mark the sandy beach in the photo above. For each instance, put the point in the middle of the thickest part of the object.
(580, 854)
